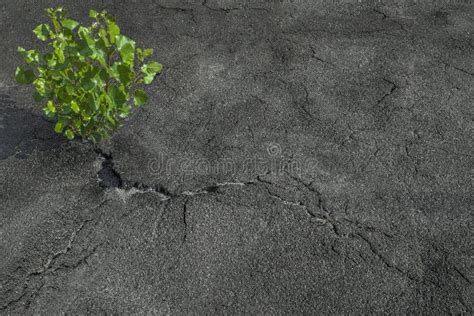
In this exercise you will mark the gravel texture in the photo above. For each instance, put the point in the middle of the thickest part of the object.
(295, 157)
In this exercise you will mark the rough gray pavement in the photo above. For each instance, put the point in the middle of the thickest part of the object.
(295, 157)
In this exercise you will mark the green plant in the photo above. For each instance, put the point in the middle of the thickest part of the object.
(89, 76)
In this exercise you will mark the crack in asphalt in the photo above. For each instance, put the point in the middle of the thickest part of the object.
(458, 68)
(355, 232)
(185, 222)
(225, 10)
(381, 257)
(111, 179)
(391, 19)
(393, 87)
(50, 261)
(364, 238)
(205, 4)
(49, 267)
(314, 55)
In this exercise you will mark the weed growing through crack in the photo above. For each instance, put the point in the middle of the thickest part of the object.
(89, 76)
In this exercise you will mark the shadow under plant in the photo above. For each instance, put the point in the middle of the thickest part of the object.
(22, 132)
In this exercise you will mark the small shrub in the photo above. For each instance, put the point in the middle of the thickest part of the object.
(89, 76)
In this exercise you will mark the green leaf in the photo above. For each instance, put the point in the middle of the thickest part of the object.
(66, 109)
(61, 11)
(59, 127)
(70, 89)
(69, 134)
(117, 97)
(53, 14)
(140, 97)
(40, 85)
(92, 103)
(69, 24)
(121, 40)
(88, 84)
(124, 110)
(24, 76)
(127, 53)
(75, 107)
(147, 52)
(48, 114)
(103, 75)
(114, 30)
(142, 54)
(50, 59)
(30, 56)
(37, 97)
(126, 48)
(77, 123)
(103, 36)
(84, 49)
(84, 33)
(42, 31)
(54, 19)
(100, 53)
(125, 75)
(103, 106)
(59, 51)
(148, 79)
(89, 80)
(154, 67)
(96, 137)
(85, 116)
(150, 70)
(51, 11)
(63, 95)
(51, 107)
(110, 119)
(93, 14)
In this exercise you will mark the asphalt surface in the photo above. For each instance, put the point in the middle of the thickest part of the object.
(295, 157)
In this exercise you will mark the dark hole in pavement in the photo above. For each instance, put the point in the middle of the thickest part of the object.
(108, 176)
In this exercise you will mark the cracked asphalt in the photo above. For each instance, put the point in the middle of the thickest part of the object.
(295, 157)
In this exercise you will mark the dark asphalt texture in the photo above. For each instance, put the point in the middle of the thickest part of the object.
(296, 157)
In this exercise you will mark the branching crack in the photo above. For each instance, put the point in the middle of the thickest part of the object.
(81, 261)
(287, 202)
(50, 262)
(393, 87)
(49, 266)
(325, 218)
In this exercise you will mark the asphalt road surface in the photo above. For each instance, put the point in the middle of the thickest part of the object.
(296, 156)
